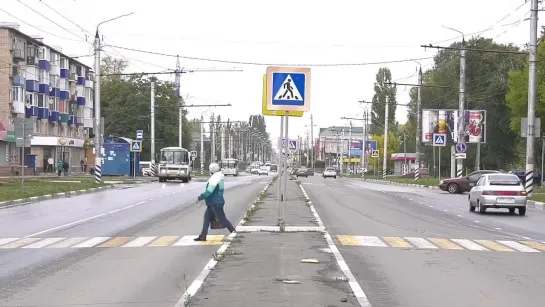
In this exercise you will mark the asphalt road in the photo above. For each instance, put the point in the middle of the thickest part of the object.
(125, 247)
(417, 247)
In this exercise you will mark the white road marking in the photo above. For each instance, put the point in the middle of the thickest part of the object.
(470, 245)
(519, 247)
(371, 241)
(44, 243)
(420, 242)
(139, 242)
(91, 242)
(7, 240)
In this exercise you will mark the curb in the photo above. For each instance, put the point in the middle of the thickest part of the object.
(536, 204)
(402, 184)
(35, 199)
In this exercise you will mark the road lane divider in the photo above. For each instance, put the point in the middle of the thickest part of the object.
(196, 285)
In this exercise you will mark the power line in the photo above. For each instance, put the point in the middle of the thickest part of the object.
(60, 26)
(40, 29)
(163, 72)
(69, 20)
(267, 64)
(478, 50)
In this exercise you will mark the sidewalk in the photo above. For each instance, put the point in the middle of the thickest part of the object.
(270, 268)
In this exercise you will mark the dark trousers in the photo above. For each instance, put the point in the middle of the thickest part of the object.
(217, 212)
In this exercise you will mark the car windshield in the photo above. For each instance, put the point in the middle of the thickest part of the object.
(174, 157)
(503, 180)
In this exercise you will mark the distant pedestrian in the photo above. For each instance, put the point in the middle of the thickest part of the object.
(50, 164)
(213, 196)
(65, 167)
(59, 167)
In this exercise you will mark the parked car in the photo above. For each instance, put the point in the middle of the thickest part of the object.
(499, 191)
(463, 184)
(329, 172)
(264, 170)
(310, 171)
(302, 172)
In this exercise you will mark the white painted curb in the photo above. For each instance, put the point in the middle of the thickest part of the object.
(403, 184)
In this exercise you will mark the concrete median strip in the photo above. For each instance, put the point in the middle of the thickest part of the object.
(35, 199)
(403, 184)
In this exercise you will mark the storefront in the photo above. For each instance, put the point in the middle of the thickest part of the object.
(60, 149)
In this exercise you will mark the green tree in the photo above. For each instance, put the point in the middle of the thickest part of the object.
(383, 90)
(126, 108)
(393, 147)
(486, 88)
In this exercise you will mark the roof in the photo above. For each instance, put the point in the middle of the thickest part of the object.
(40, 43)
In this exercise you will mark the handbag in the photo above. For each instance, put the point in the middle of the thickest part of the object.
(215, 224)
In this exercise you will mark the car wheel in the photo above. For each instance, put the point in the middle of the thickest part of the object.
(522, 210)
(512, 210)
(482, 209)
(453, 188)
(471, 208)
(335, 177)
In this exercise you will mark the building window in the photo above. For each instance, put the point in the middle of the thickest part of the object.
(31, 99)
(31, 51)
(17, 93)
(53, 104)
(41, 53)
(79, 70)
(44, 77)
(64, 63)
(41, 101)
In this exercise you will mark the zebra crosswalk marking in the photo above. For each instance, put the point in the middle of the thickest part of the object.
(443, 244)
(110, 242)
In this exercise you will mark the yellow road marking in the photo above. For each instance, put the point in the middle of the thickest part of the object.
(116, 242)
(494, 246)
(20, 243)
(536, 245)
(213, 240)
(348, 240)
(164, 241)
(444, 243)
(396, 242)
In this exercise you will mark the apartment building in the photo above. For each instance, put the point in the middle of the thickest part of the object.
(40, 82)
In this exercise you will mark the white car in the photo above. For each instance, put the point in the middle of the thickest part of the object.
(263, 171)
(330, 172)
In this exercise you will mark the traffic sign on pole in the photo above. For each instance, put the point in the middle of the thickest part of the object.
(193, 154)
(136, 146)
(139, 135)
(439, 139)
(374, 153)
(461, 147)
(267, 112)
(288, 89)
(292, 144)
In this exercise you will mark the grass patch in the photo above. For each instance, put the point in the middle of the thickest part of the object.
(12, 189)
(429, 181)
(540, 197)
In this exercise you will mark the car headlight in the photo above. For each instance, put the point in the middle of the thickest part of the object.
(163, 170)
(441, 182)
(182, 171)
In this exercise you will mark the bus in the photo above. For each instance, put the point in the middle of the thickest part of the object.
(174, 164)
(229, 167)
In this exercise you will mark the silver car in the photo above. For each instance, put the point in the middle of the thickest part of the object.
(498, 191)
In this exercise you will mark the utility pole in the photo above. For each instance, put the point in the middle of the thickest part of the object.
(202, 146)
(385, 157)
(349, 148)
(531, 99)
(363, 140)
(152, 118)
(213, 139)
(418, 119)
(460, 162)
(98, 126)
(180, 108)
(312, 142)
(222, 136)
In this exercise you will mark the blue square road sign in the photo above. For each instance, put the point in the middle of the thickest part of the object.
(288, 89)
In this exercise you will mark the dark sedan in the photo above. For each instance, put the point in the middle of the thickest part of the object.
(463, 184)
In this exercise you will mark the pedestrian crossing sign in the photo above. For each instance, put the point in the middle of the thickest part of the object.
(288, 89)
(439, 139)
(268, 112)
(136, 146)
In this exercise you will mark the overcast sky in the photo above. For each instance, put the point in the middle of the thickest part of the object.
(273, 32)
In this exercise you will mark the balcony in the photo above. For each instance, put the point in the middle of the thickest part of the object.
(43, 113)
(64, 118)
(44, 64)
(18, 54)
(80, 101)
(18, 81)
(43, 89)
(79, 121)
(64, 95)
(31, 111)
(65, 73)
(81, 81)
(54, 116)
(72, 120)
(32, 60)
(32, 86)
(73, 77)
(54, 92)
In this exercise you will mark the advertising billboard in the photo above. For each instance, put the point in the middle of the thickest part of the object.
(446, 122)
(355, 149)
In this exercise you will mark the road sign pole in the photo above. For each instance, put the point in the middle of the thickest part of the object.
(280, 174)
(285, 175)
